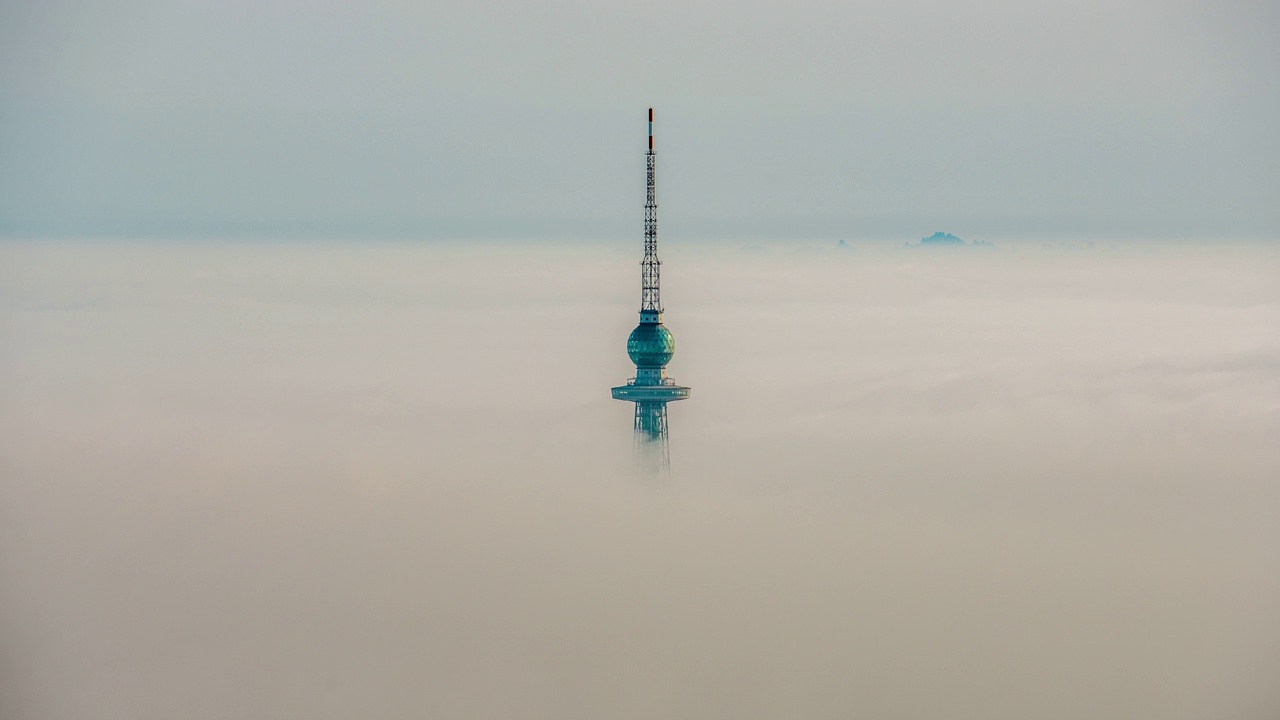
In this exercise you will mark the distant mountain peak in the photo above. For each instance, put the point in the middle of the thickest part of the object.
(941, 238)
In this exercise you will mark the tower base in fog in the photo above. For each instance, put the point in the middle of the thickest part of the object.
(651, 446)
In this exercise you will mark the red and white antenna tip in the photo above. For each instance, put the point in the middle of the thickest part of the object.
(650, 128)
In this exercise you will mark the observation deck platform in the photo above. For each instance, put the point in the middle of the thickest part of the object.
(666, 391)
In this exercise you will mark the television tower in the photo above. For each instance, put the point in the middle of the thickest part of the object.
(651, 346)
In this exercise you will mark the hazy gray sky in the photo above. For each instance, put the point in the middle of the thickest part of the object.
(517, 118)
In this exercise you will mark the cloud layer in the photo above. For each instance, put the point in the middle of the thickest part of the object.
(330, 480)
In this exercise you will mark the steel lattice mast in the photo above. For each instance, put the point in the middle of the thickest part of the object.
(651, 346)
(651, 266)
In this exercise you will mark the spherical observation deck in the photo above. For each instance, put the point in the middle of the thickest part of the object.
(651, 346)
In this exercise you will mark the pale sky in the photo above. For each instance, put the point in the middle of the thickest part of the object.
(527, 118)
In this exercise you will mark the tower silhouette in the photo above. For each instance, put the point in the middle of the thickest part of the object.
(651, 345)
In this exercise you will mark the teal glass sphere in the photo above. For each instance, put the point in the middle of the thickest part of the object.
(651, 346)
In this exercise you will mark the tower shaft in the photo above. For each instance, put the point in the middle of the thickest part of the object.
(651, 443)
(651, 345)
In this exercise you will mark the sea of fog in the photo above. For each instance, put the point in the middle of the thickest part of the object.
(386, 480)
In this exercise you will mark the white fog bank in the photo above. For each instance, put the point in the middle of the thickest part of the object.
(386, 480)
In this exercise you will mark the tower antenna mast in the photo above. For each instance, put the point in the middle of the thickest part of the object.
(651, 266)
